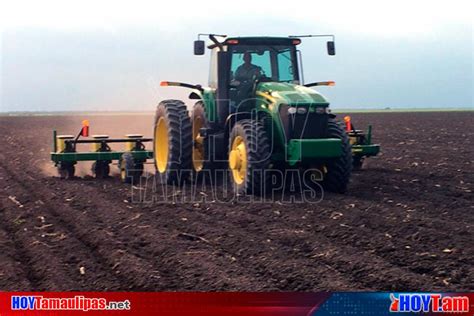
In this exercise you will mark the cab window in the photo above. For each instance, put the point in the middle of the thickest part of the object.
(261, 59)
(275, 62)
(285, 66)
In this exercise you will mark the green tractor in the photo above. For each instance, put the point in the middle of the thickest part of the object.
(256, 115)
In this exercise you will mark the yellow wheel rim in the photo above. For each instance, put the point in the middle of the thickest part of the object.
(198, 148)
(161, 145)
(238, 160)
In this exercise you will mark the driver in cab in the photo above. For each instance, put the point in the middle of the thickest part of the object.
(247, 72)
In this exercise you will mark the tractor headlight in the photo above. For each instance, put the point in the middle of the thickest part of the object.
(301, 110)
(291, 110)
(321, 110)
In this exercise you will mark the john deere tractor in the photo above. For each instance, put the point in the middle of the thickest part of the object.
(255, 115)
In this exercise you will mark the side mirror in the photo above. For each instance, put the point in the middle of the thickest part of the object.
(331, 48)
(199, 47)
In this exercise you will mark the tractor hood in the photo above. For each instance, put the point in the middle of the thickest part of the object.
(291, 94)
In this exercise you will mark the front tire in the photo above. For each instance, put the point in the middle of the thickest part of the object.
(172, 144)
(339, 169)
(249, 157)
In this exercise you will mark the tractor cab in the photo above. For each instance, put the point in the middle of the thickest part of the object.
(238, 65)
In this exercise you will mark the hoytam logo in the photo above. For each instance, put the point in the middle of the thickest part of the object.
(77, 302)
(436, 303)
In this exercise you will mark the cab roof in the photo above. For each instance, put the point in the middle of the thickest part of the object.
(259, 40)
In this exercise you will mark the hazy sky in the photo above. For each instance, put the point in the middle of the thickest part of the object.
(111, 55)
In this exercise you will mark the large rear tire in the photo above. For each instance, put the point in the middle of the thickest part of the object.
(338, 170)
(201, 154)
(172, 145)
(249, 157)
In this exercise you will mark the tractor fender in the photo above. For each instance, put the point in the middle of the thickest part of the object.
(234, 118)
(194, 96)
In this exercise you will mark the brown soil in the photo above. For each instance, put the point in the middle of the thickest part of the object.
(405, 224)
